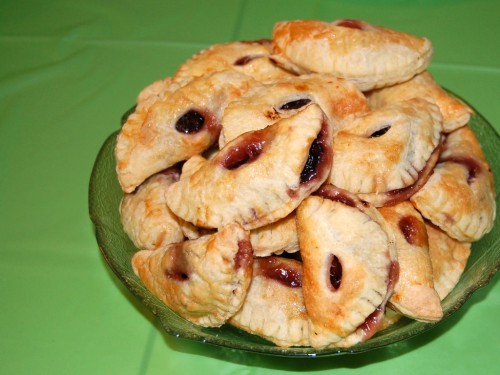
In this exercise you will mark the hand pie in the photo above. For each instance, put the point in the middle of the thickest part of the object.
(349, 266)
(145, 216)
(455, 112)
(389, 149)
(275, 238)
(459, 196)
(205, 280)
(448, 257)
(274, 305)
(171, 130)
(246, 57)
(414, 294)
(259, 177)
(265, 104)
(369, 56)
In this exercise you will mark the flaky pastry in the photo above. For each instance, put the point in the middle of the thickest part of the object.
(459, 196)
(370, 56)
(274, 305)
(171, 130)
(414, 294)
(349, 266)
(455, 112)
(387, 149)
(203, 280)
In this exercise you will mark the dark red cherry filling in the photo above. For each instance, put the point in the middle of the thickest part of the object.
(245, 60)
(335, 272)
(177, 268)
(370, 326)
(333, 193)
(413, 230)
(245, 152)
(319, 158)
(399, 195)
(352, 24)
(473, 167)
(281, 271)
(380, 132)
(262, 42)
(190, 122)
(244, 256)
(295, 104)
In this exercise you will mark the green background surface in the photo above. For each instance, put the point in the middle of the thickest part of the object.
(68, 71)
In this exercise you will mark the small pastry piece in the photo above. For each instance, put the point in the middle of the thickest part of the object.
(349, 266)
(387, 149)
(276, 238)
(259, 177)
(246, 57)
(459, 196)
(175, 128)
(274, 305)
(145, 216)
(265, 104)
(369, 56)
(449, 258)
(455, 112)
(414, 294)
(204, 280)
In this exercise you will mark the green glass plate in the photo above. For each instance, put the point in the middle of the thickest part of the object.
(117, 249)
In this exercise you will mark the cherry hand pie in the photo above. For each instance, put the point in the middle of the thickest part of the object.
(370, 56)
(204, 280)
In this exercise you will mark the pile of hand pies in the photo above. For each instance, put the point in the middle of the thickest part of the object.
(309, 188)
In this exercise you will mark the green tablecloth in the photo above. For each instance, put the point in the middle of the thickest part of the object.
(68, 70)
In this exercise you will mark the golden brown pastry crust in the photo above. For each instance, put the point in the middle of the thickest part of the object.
(414, 294)
(205, 280)
(348, 255)
(274, 305)
(267, 103)
(370, 56)
(145, 216)
(455, 112)
(276, 238)
(386, 149)
(162, 134)
(258, 178)
(459, 197)
(449, 259)
(247, 57)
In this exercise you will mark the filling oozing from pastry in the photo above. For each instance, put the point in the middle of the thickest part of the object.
(244, 255)
(352, 24)
(335, 194)
(413, 230)
(470, 163)
(246, 151)
(370, 326)
(399, 195)
(274, 268)
(246, 59)
(317, 161)
(178, 269)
